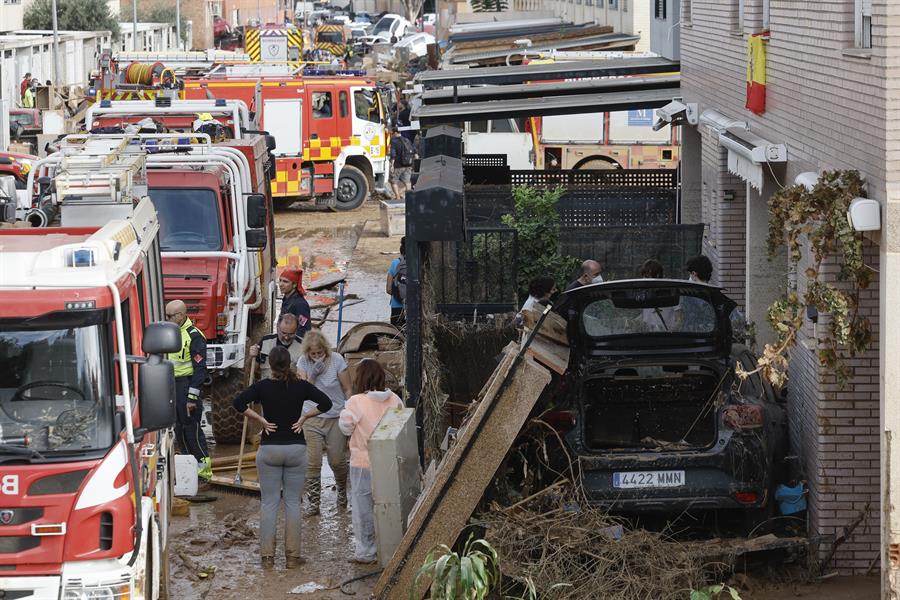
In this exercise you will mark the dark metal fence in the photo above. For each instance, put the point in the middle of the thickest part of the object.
(477, 274)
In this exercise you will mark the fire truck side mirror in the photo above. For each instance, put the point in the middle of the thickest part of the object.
(157, 394)
(270, 142)
(256, 239)
(256, 211)
(161, 338)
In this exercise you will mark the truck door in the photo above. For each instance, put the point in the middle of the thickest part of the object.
(283, 118)
(323, 110)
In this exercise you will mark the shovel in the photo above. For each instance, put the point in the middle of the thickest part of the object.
(237, 476)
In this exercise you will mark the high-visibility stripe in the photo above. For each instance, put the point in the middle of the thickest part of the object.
(252, 44)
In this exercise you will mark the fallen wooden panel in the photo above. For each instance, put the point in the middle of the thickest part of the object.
(354, 338)
(554, 326)
(326, 281)
(549, 353)
(465, 472)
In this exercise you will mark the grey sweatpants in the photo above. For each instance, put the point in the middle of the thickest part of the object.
(280, 469)
(323, 436)
(363, 513)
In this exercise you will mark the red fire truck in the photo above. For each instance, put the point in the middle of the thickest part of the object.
(329, 130)
(217, 233)
(86, 397)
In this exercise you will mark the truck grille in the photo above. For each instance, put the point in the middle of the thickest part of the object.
(20, 515)
(18, 543)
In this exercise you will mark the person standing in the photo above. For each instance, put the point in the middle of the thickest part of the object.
(402, 155)
(190, 373)
(327, 371)
(590, 273)
(358, 420)
(281, 458)
(396, 285)
(540, 289)
(24, 85)
(285, 336)
(294, 299)
(28, 97)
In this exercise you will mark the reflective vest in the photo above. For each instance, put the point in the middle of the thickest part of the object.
(184, 366)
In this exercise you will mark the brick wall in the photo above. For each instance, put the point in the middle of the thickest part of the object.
(828, 104)
(194, 11)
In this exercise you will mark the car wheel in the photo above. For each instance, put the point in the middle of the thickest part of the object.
(352, 189)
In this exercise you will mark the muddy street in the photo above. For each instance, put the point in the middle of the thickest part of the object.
(215, 550)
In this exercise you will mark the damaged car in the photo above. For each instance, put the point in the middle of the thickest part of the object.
(653, 409)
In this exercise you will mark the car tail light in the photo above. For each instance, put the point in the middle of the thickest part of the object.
(746, 497)
(744, 417)
(561, 421)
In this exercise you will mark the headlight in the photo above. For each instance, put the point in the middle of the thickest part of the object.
(114, 592)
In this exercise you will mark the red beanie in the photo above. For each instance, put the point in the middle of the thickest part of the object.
(295, 275)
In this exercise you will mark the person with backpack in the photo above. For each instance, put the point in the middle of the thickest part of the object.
(396, 285)
(402, 155)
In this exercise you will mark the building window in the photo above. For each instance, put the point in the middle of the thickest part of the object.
(614, 4)
(765, 16)
(686, 11)
(659, 9)
(863, 14)
(738, 16)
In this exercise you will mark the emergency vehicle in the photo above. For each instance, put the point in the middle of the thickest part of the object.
(274, 44)
(330, 138)
(217, 231)
(86, 396)
(332, 37)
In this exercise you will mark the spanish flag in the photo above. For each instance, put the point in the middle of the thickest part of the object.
(756, 73)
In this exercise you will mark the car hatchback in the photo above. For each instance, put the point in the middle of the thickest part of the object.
(659, 420)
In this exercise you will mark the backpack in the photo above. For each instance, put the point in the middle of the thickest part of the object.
(398, 283)
(406, 154)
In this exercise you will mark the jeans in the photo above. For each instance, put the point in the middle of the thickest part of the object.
(363, 513)
(281, 470)
(187, 425)
(324, 436)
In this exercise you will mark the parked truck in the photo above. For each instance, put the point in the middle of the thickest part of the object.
(86, 397)
(217, 232)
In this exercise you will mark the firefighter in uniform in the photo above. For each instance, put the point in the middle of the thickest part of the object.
(190, 373)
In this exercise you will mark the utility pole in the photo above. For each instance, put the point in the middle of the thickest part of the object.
(55, 46)
(178, 24)
(258, 13)
(133, 25)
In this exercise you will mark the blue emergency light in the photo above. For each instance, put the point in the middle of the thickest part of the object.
(220, 101)
(105, 103)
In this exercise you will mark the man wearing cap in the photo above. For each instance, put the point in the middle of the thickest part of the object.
(293, 301)
(190, 373)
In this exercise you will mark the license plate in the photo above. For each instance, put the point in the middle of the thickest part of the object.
(648, 479)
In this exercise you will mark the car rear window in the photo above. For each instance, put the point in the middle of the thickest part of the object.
(628, 312)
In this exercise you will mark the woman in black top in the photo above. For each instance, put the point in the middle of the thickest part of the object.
(281, 459)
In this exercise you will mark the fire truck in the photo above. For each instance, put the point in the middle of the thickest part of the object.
(331, 145)
(86, 396)
(330, 138)
(217, 232)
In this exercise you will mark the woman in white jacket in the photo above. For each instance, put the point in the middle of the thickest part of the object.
(358, 420)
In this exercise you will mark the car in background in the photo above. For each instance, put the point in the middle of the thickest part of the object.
(653, 409)
(391, 26)
(416, 43)
(429, 22)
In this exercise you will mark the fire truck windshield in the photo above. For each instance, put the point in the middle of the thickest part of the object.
(54, 388)
(329, 37)
(365, 105)
(188, 219)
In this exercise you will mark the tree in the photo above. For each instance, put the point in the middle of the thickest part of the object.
(163, 14)
(72, 15)
(413, 8)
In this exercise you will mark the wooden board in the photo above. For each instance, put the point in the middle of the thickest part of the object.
(465, 472)
(554, 326)
(550, 354)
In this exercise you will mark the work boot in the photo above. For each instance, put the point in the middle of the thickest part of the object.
(291, 562)
(342, 496)
(205, 470)
(313, 495)
(268, 562)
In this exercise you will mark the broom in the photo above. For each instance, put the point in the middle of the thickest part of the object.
(237, 484)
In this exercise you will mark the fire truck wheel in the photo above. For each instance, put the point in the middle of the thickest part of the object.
(227, 422)
(352, 189)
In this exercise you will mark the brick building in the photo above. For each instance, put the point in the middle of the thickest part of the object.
(831, 102)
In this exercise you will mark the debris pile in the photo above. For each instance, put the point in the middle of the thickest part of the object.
(563, 548)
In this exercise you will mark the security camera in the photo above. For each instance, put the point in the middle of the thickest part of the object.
(672, 111)
(659, 124)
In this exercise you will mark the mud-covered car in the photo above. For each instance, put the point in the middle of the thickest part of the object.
(657, 416)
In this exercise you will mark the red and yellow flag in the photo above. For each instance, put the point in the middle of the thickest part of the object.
(756, 73)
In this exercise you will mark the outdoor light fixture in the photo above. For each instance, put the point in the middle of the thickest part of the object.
(864, 214)
(808, 179)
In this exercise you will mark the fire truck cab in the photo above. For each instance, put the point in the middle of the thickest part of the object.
(86, 395)
(216, 238)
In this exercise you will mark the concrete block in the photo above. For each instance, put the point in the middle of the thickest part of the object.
(396, 477)
(393, 218)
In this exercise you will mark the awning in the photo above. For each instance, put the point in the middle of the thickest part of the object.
(578, 69)
(607, 41)
(747, 153)
(535, 107)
